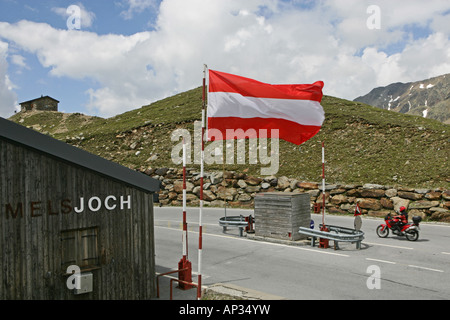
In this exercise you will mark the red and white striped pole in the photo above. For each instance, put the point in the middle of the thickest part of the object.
(202, 158)
(323, 183)
(323, 243)
(185, 266)
(184, 240)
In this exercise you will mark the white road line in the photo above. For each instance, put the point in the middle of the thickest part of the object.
(429, 269)
(388, 245)
(445, 252)
(384, 261)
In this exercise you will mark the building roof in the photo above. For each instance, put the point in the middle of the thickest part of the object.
(41, 97)
(41, 143)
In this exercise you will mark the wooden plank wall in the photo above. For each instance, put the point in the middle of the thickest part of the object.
(279, 214)
(48, 190)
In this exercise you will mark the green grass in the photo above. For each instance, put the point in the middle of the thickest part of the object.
(363, 144)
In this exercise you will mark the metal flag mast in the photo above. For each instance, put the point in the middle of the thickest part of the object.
(323, 183)
(184, 266)
(323, 242)
(202, 158)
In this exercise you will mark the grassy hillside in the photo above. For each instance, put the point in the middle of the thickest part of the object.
(363, 144)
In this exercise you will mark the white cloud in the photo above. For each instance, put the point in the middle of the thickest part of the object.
(19, 61)
(137, 6)
(8, 99)
(265, 39)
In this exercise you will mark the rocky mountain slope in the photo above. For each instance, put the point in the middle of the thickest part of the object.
(428, 98)
(363, 144)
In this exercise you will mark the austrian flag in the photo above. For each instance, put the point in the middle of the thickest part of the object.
(256, 110)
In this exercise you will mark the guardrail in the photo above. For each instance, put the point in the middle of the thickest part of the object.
(241, 222)
(336, 233)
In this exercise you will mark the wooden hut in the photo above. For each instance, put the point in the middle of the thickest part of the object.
(72, 225)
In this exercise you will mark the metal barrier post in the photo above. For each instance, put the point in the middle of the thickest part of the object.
(323, 242)
(162, 275)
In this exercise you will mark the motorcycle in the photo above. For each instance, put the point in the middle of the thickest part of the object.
(410, 230)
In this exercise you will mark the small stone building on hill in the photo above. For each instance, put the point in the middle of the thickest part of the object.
(43, 103)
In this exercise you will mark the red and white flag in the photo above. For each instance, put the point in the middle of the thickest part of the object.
(236, 102)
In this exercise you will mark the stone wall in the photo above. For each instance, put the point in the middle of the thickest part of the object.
(239, 189)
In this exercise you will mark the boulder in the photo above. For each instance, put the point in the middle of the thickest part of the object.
(253, 181)
(354, 193)
(241, 183)
(178, 186)
(283, 182)
(391, 193)
(422, 191)
(443, 216)
(372, 193)
(339, 199)
(410, 195)
(209, 195)
(369, 204)
(400, 202)
(244, 197)
(433, 195)
(251, 189)
(423, 204)
(216, 177)
(172, 195)
(265, 185)
(446, 195)
(416, 213)
(161, 171)
(387, 203)
(226, 193)
(307, 185)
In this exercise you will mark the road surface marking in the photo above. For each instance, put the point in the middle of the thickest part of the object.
(388, 245)
(445, 252)
(384, 261)
(429, 269)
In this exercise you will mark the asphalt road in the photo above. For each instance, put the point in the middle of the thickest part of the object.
(390, 268)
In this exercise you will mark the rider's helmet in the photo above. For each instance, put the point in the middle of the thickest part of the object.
(402, 209)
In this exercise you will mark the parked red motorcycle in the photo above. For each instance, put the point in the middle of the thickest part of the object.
(410, 230)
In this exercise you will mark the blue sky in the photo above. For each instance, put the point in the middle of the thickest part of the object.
(129, 53)
(34, 80)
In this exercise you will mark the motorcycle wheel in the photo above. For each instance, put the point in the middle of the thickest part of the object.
(382, 233)
(412, 235)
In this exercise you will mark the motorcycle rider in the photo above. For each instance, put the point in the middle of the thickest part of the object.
(402, 219)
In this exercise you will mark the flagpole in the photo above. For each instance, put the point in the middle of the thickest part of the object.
(185, 266)
(323, 183)
(184, 203)
(202, 158)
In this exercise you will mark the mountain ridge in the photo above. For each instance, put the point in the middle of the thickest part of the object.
(363, 144)
(429, 98)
